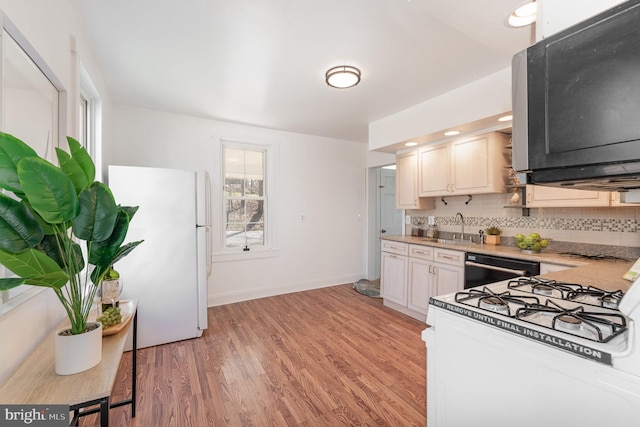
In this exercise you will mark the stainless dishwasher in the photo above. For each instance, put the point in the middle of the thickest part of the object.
(482, 269)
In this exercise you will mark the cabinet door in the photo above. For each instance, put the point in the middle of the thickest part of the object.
(447, 279)
(419, 285)
(434, 174)
(393, 278)
(407, 183)
(470, 166)
(539, 196)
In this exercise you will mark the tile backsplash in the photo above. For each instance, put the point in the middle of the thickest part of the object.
(610, 229)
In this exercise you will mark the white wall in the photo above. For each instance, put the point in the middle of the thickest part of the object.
(320, 178)
(486, 97)
(556, 15)
(50, 27)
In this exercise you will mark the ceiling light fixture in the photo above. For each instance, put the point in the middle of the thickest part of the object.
(505, 118)
(411, 144)
(452, 133)
(342, 77)
(523, 15)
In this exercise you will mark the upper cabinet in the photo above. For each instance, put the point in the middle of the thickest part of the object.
(469, 166)
(407, 183)
(539, 196)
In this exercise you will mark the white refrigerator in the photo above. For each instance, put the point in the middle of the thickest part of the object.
(168, 272)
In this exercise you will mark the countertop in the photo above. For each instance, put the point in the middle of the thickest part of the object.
(603, 274)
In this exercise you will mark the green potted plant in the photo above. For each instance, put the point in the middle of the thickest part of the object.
(56, 217)
(493, 236)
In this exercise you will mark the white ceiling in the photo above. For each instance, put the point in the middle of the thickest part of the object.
(262, 62)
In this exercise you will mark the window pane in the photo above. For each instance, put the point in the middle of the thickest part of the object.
(235, 236)
(254, 211)
(235, 211)
(255, 234)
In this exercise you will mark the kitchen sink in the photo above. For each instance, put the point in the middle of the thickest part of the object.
(454, 242)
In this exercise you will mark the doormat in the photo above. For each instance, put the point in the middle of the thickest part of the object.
(370, 288)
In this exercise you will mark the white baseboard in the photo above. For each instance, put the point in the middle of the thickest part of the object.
(214, 300)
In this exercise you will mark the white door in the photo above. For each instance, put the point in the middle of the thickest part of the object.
(390, 217)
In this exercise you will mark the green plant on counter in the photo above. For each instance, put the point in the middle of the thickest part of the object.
(53, 210)
(493, 231)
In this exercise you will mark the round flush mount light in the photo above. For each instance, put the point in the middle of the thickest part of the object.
(452, 133)
(343, 76)
(523, 15)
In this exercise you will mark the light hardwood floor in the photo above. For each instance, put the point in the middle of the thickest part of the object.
(326, 357)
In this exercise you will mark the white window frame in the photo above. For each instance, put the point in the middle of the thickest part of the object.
(16, 296)
(90, 134)
(270, 248)
(264, 198)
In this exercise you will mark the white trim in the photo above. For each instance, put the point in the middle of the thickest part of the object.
(250, 294)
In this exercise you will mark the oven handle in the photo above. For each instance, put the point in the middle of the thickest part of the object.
(495, 267)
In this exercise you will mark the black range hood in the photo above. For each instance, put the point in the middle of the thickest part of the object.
(576, 104)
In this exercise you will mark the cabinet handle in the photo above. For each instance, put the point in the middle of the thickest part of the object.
(435, 270)
(448, 257)
(419, 252)
(393, 256)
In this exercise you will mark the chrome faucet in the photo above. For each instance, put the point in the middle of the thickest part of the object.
(459, 215)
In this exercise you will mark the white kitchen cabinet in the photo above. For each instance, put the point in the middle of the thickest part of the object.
(393, 272)
(407, 183)
(540, 196)
(469, 166)
(428, 271)
(448, 271)
(419, 286)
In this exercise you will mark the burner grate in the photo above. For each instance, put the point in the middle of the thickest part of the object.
(594, 256)
(589, 295)
(501, 303)
(591, 325)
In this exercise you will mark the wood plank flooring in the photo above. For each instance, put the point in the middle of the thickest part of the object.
(326, 357)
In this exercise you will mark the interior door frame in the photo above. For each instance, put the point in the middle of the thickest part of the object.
(373, 222)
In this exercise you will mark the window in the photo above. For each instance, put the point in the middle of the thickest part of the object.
(31, 97)
(89, 119)
(245, 196)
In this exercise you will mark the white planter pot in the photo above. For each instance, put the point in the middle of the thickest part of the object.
(77, 353)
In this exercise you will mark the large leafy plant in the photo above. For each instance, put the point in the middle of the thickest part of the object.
(53, 211)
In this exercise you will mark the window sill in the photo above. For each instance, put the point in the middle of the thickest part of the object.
(242, 255)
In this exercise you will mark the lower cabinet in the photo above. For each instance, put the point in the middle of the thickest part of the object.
(409, 281)
(393, 278)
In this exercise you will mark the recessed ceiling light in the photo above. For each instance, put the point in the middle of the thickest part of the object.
(342, 77)
(411, 144)
(505, 118)
(452, 133)
(523, 15)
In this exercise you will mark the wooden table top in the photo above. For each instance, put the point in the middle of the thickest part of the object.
(35, 380)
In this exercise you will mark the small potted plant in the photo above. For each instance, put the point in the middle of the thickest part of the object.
(493, 236)
(51, 212)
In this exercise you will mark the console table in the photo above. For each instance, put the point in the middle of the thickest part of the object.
(35, 381)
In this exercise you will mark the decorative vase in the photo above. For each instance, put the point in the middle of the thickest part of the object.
(492, 239)
(77, 353)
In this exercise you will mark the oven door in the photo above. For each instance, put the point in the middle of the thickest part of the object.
(481, 269)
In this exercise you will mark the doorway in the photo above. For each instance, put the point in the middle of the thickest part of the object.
(384, 217)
